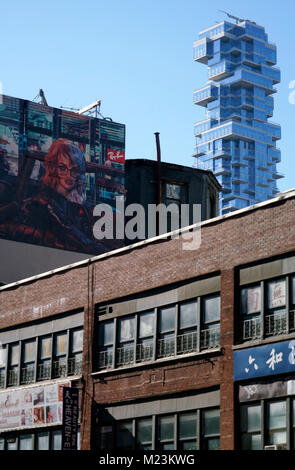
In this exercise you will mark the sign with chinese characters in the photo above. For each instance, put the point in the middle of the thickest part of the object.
(31, 407)
(262, 361)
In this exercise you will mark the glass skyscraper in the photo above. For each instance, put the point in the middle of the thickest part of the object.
(235, 140)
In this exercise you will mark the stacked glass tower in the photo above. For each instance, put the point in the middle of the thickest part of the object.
(236, 141)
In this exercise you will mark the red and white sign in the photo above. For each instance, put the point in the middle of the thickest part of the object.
(116, 156)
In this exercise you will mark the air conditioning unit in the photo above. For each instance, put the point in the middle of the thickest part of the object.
(276, 447)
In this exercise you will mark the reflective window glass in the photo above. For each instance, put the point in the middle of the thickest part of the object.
(187, 425)
(26, 442)
(188, 314)
(251, 300)
(167, 319)
(211, 309)
(61, 344)
(77, 340)
(146, 324)
(166, 427)
(276, 293)
(106, 333)
(126, 329)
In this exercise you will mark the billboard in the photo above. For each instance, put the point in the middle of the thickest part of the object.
(55, 167)
(32, 407)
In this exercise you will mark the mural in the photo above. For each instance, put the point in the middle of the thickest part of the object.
(55, 166)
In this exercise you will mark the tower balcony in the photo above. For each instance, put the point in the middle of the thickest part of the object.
(220, 71)
(203, 50)
(206, 94)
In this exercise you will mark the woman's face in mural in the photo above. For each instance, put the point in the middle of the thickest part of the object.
(67, 174)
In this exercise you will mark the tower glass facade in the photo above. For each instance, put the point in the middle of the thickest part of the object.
(236, 140)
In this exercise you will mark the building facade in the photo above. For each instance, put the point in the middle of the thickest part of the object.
(150, 183)
(182, 348)
(236, 140)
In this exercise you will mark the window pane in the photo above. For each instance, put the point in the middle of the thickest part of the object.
(167, 319)
(173, 191)
(278, 437)
(213, 443)
(251, 441)
(144, 430)
(146, 324)
(77, 340)
(126, 329)
(42, 440)
(189, 445)
(26, 442)
(14, 355)
(277, 415)
(124, 436)
(251, 417)
(3, 356)
(45, 347)
(187, 425)
(211, 422)
(61, 344)
(2, 444)
(251, 300)
(12, 445)
(56, 440)
(276, 294)
(29, 349)
(106, 333)
(211, 309)
(188, 314)
(166, 428)
(293, 290)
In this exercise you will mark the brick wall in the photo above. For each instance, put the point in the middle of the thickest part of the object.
(242, 238)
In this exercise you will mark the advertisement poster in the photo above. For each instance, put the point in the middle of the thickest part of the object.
(31, 407)
(55, 167)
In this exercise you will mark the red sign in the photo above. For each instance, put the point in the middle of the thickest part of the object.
(116, 156)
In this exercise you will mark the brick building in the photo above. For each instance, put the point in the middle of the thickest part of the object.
(181, 348)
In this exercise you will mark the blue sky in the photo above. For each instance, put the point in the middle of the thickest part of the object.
(137, 57)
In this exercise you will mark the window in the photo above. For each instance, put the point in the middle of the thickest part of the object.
(267, 422)
(210, 429)
(49, 439)
(145, 345)
(267, 309)
(168, 331)
(188, 430)
(44, 358)
(125, 351)
(166, 341)
(28, 361)
(41, 358)
(75, 355)
(13, 363)
(60, 355)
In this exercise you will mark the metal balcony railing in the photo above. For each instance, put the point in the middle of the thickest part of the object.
(27, 374)
(74, 366)
(12, 377)
(125, 356)
(145, 351)
(44, 371)
(187, 343)
(210, 338)
(166, 347)
(2, 380)
(59, 368)
(276, 324)
(251, 329)
(105, 359)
